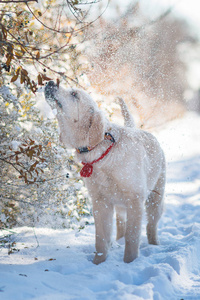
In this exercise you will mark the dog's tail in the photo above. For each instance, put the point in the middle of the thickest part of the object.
(128, 119)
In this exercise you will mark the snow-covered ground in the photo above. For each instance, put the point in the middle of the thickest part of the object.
(57, 264)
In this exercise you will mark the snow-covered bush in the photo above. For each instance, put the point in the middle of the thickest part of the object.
(39, 179)
(40, 183)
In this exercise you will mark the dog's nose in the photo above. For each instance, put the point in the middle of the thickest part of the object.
(50, 84)
(50, 89)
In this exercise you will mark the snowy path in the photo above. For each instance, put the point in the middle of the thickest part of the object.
(61, 267)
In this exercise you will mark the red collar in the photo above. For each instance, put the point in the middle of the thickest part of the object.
(87, 169)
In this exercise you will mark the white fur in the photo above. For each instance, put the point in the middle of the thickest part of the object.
(133, 173)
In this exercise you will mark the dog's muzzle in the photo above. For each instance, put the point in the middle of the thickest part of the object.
(50, 92)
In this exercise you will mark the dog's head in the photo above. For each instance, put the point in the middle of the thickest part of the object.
(81, 122)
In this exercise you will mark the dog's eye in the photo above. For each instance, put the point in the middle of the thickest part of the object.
(74, 94)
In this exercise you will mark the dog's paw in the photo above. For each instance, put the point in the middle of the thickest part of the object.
(130, 255)
(99, 258)
(152, 235)
(129, 259)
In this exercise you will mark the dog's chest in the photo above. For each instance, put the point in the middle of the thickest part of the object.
(102, 182)
(101, 177)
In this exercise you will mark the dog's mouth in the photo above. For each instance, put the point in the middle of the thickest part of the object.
(50, 92)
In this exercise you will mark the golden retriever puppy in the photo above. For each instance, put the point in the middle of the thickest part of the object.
(123, 168)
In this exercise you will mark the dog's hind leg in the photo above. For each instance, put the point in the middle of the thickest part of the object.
(154, 210)
(120, 221)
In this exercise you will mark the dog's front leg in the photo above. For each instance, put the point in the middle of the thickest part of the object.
(103, 216)
(133, 230)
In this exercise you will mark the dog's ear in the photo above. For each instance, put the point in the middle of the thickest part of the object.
(96, 128)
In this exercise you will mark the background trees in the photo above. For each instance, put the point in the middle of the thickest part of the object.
(140, 59)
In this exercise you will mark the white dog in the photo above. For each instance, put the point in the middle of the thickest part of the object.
(123, 168)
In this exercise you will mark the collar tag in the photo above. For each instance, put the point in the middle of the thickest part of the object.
(87, 170)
